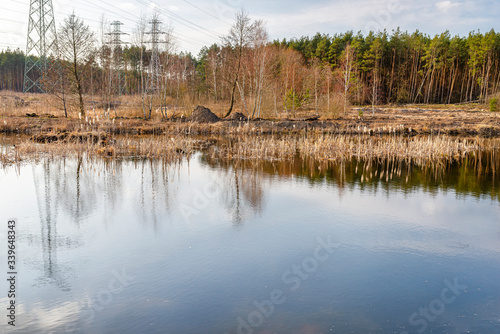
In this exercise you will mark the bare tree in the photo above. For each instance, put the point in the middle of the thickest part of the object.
(240, 37)
(347, 73)
(76, 44)
(56, 78)
(261, 60)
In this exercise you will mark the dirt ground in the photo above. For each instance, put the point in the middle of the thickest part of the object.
(387, 120)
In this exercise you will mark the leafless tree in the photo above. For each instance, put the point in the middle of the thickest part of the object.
(76, 43)
(240, 37)
(260, 38)
(347, 73)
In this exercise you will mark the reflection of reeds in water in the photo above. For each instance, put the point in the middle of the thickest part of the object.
(466, 165)
(418, 150)
(164, 147)
(436, 151)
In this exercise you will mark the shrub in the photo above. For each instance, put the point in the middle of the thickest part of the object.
(494, 104)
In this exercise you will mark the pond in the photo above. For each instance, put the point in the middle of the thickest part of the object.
(203, 245)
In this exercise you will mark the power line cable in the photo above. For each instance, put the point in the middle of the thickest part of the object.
(180, 20)
(185, 39)
(215, 17)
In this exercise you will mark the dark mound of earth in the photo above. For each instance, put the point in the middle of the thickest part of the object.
(237, 116)
(203, 115)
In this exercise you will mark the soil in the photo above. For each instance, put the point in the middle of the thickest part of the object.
(203, 115)
(236, 116)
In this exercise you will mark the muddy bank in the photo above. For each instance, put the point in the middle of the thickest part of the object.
(385, 121)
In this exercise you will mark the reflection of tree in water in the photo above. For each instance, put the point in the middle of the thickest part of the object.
(155, 194)
(78, 193)
(476, 174)
(241, 189)
(76, 187)
(71, 186)
(48, 208)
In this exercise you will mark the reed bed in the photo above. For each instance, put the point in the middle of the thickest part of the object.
(117, 147)
(417, 150)
(412, 150)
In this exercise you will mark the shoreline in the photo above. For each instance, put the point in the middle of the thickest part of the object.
(461, 123)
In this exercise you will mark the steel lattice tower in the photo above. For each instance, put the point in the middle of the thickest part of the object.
(116, 42)
(40, 42)
(153, 83)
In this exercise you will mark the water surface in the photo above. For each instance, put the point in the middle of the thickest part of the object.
(207, 246)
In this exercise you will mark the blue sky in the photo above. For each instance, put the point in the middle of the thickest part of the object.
(197, 23)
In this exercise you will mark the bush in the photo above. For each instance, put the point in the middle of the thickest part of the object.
(494, 105)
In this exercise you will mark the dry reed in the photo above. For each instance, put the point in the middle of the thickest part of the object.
(417, 150)
(118, 147)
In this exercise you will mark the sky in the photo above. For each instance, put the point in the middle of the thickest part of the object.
(198, 23)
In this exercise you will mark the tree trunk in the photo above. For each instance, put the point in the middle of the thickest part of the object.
(234, 84)
(78, 83)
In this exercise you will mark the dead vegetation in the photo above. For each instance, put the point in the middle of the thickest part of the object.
(420, 133)
(38, 113)
(417, 149)
(99, 144)
(386, 121)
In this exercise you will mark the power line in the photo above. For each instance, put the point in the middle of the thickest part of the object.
(180, 20)
(17, 11)
(12, 10)
(13, 21)
(135, 17)
(194, 41)
(131, 17)
(215, 17)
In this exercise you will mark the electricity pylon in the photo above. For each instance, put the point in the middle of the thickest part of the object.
(117, 68)
(40, 42)
(153, 83)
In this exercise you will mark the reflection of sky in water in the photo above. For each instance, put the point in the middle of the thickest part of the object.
(198, 275)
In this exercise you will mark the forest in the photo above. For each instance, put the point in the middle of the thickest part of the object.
(325, 73)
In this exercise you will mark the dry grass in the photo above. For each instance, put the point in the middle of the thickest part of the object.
(98, 144)
(460, 119)
(412, 150)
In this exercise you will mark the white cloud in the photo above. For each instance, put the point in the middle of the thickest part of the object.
(445, 6)
(338, 14)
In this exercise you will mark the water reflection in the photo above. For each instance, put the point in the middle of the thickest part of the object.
(242, 192)
(95, 217)
(476, 175)
(48, 206)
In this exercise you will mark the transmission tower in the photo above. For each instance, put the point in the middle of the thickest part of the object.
(153, 83)
(40, 42)
(116, 33)
(116, 72)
